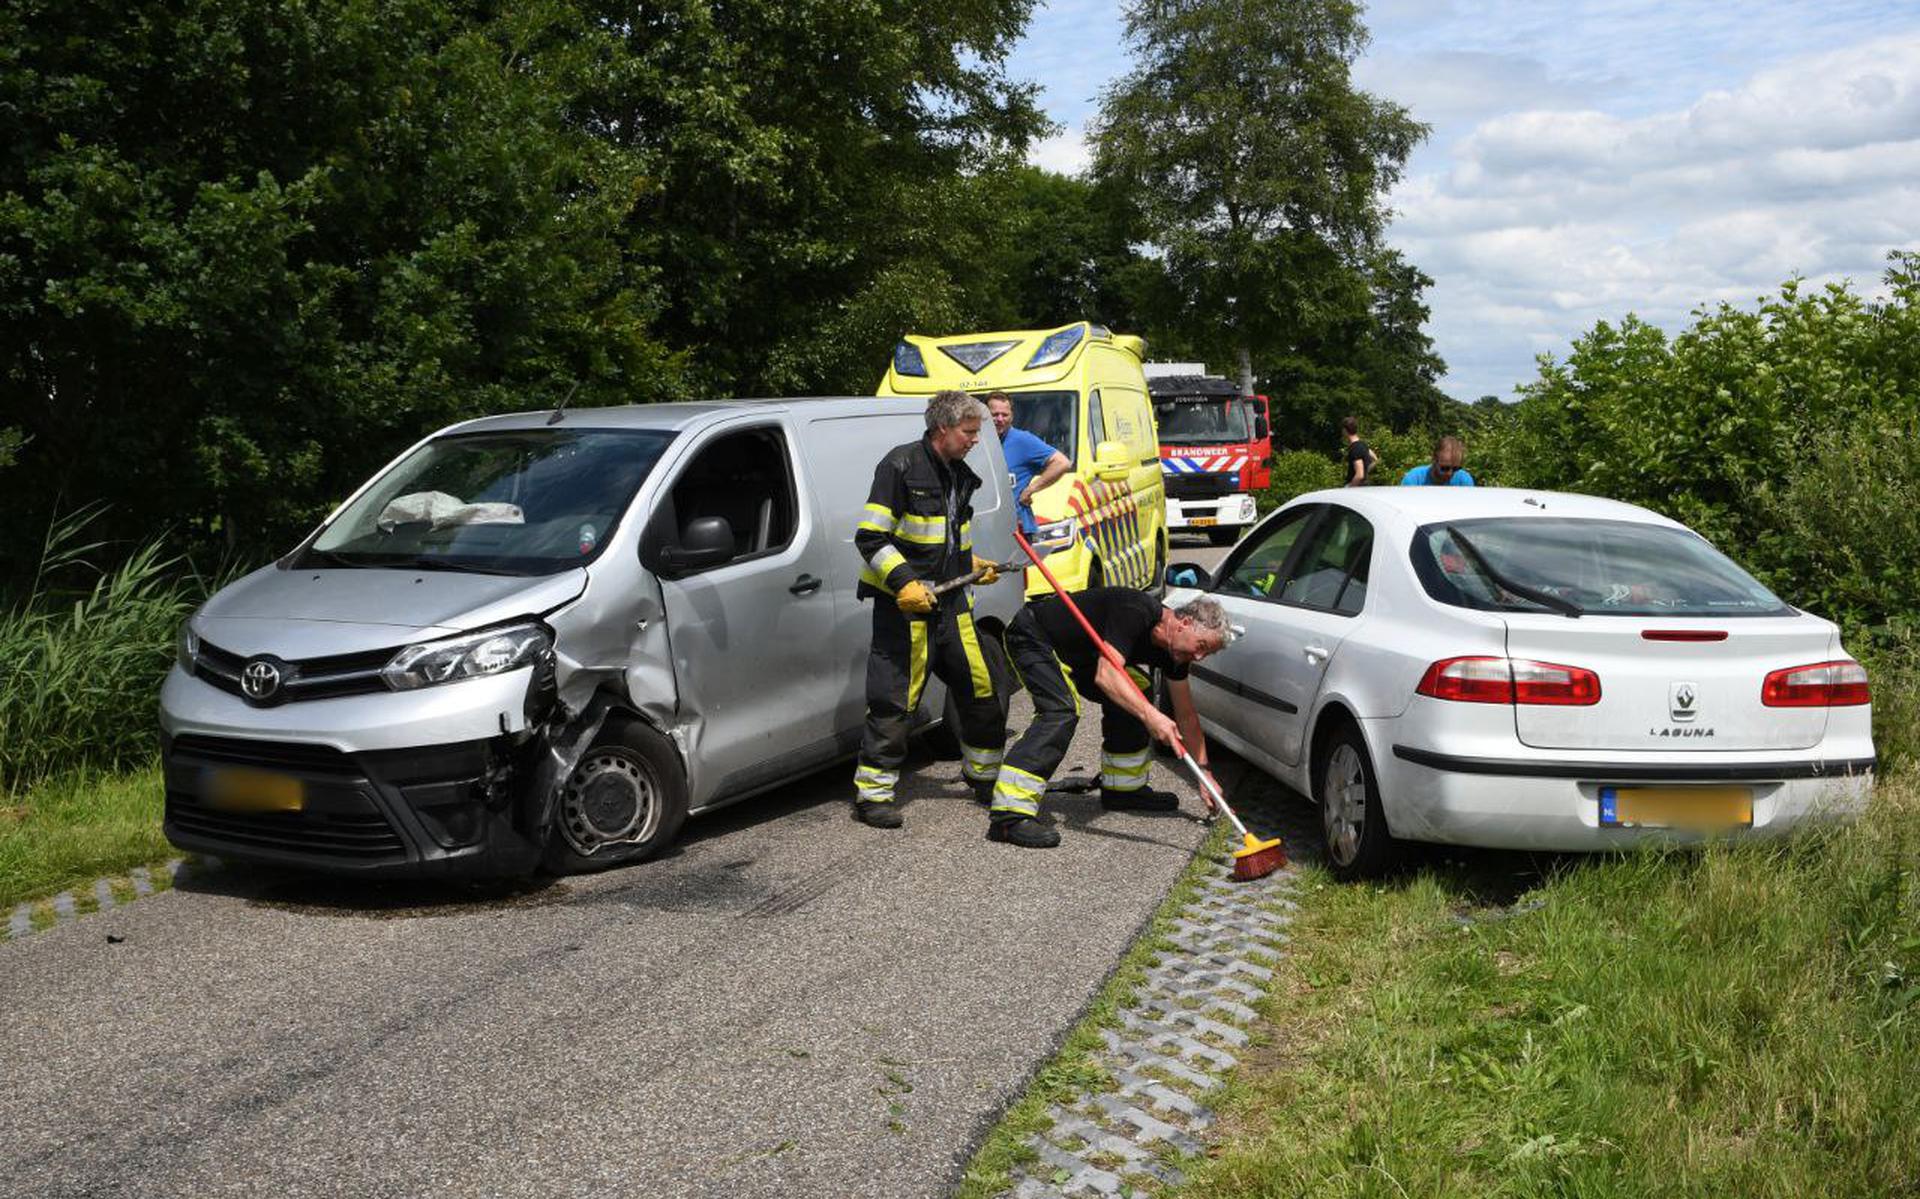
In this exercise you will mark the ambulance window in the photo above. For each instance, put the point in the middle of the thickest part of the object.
(743, 477)
(1096, 423)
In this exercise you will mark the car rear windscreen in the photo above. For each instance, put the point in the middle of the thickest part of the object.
(1596, 567)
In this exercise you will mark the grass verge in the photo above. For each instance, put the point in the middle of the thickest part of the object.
(74, 828)
(1739, 1020)
(1074, 1070)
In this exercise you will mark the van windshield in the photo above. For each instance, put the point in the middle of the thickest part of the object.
(518, 502)
(1050, 416)
(1209, 420)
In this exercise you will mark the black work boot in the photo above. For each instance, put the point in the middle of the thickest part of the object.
(982, 791)
(877, 815)
(1024, 831)
(1140, 799)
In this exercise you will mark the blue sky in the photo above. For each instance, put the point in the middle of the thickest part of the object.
(1591, 158)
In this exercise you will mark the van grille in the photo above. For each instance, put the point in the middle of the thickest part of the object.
(340, 819)
(310, 678)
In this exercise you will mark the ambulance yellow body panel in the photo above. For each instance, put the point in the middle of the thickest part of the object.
(1080, 389)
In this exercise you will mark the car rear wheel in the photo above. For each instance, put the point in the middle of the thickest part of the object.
(1358, 843)
(625, 801)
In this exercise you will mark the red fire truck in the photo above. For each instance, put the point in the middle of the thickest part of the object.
(1215, 446)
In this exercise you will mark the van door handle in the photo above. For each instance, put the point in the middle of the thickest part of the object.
(1315, 652)
(805, 585)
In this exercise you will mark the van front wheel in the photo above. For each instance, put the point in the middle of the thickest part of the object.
(625, 801)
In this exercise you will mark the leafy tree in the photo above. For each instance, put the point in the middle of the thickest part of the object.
(251, 248)
(1259, 166)
(825, 175)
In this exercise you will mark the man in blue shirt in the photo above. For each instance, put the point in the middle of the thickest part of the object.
(1445, 470)
(1033, 463)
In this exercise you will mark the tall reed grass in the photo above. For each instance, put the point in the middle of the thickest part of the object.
(82, 652)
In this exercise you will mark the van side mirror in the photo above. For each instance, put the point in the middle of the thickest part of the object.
(1260, 430)
(1111, 461)
(706, 542)
(1187, 574)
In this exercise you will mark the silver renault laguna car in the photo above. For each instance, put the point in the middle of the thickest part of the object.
(535, 640)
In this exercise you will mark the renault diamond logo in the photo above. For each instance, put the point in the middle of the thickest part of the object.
(260, 680)
(1683, 697)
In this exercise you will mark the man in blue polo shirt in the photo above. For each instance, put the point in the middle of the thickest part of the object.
(1445, 470)
(1033, 463)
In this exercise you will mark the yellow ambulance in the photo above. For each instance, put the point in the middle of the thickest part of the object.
(1080, 389)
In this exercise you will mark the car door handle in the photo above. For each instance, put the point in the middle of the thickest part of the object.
(805, 585)
(1315, 651)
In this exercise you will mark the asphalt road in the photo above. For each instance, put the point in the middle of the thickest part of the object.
(788, 1003)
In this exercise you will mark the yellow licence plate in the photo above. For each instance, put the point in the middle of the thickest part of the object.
(242, 790)
(1201, 522)
(1700, 809)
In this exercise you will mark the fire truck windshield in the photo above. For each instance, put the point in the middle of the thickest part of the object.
(1208, 420)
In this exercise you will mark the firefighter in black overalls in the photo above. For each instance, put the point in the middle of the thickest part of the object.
(917, 531)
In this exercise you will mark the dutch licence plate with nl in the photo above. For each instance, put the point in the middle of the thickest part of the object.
(1699, 809)
(237, 789)
(1201, 522)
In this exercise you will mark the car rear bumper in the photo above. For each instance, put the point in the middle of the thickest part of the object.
(1555, 805)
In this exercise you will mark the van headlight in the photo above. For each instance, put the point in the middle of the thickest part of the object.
(186, 647)
(469, 656)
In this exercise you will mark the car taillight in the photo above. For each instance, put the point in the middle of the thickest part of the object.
(1510, 681)
(1821, 685)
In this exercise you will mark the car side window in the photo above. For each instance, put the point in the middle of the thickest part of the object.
(1096, 421)
(1331, 571)
(1259, 562)
(744, 478)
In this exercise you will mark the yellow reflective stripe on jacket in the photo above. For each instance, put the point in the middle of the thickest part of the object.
(916, 662)
(886, 560)
(876, 580)
(922, 530)
(1124, 772)
(966, 538)
(1018, 791)
(976, 661)
(880, 519)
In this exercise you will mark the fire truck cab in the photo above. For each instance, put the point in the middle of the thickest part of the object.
(1215, 446)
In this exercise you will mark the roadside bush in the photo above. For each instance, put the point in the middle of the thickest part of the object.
(1296, 473)
(80, 665)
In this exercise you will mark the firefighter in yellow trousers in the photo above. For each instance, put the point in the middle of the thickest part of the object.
(916, 531)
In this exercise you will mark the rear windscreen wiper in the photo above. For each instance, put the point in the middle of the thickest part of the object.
(1546, 599)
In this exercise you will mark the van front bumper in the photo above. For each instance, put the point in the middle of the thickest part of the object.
(431, 811)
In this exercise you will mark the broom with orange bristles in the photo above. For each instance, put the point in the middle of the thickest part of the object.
(1255, 858)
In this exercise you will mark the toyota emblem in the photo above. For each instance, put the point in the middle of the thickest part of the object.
(260, 680)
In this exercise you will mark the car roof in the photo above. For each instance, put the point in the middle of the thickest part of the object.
(1422, 505)
(678, 416)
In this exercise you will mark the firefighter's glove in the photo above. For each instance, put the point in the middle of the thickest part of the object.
(914, 599)
(988, 572)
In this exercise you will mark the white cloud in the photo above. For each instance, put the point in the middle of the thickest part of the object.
(1545, 220)
(1066, 152)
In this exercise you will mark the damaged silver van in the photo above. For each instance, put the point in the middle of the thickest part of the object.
(544, 640)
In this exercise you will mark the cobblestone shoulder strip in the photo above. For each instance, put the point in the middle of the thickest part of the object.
(1177, 1041)
(104, 893)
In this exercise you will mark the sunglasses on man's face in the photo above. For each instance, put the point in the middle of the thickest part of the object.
(1444, 470)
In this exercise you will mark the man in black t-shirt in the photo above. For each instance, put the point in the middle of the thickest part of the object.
(1059, 665)
(1360, 458)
